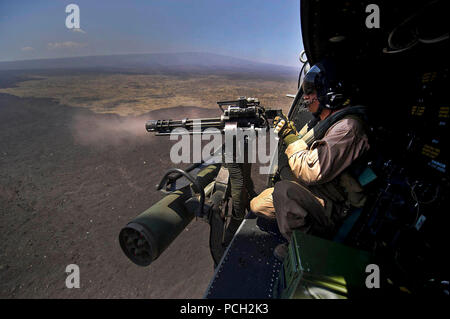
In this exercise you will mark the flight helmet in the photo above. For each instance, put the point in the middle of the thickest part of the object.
(322, 79)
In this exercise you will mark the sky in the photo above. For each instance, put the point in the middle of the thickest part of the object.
(257, 30)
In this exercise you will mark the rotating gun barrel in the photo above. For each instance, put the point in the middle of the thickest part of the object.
(164, 127)
(244, 113)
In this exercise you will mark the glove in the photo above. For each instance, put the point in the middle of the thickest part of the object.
(283, 127)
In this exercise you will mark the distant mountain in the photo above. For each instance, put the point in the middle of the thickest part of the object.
(152, 61)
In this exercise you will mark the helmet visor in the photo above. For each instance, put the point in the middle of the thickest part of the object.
(311, 82)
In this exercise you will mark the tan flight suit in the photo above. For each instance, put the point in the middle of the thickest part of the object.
(316, 201)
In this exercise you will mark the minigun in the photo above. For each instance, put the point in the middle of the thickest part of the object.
(243, 113)
(205, 193)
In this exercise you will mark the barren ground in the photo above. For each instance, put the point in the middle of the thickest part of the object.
(137, 94)
(70, 179)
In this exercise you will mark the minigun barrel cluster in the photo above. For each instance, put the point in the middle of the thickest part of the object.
(244, 112)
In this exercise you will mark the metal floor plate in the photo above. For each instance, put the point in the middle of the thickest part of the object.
(248, 268)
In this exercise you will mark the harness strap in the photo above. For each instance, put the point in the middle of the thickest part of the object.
(319, 130)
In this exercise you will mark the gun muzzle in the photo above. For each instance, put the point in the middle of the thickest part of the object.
(149, 234)
(151, 125)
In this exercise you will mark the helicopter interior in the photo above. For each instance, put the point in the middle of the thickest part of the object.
(400, 71)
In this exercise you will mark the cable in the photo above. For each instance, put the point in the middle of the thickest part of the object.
(414, 196)
(414, 33)
(435, 40)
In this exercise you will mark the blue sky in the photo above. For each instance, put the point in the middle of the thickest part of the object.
(258, 30)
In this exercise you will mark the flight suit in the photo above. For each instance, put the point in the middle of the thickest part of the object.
(317, 200)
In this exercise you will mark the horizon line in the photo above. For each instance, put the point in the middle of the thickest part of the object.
(145, 53)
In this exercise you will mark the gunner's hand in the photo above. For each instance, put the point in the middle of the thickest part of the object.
(283, 127)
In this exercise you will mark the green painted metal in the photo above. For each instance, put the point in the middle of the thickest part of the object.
(319, 268)
(165, 220)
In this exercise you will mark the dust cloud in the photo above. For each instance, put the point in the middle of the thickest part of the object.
(109, 130)
(104, 130)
